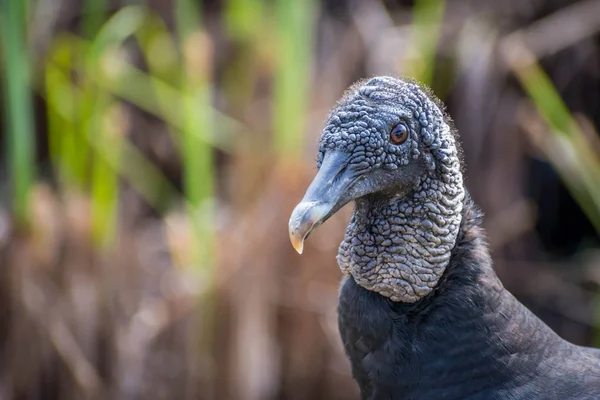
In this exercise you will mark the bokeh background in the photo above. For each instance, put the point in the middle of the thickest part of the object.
(152, 151)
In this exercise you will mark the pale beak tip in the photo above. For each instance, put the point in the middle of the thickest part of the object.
(297, 243)
(304, 218)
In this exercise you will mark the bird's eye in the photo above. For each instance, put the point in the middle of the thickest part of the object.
(399, 134)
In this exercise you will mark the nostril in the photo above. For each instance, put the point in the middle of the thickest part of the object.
(341, 172)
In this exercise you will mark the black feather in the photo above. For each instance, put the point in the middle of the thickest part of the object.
(468, 339)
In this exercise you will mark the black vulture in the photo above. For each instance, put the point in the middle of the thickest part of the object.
(422, 315)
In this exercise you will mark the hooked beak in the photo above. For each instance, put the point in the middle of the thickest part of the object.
(328, 192)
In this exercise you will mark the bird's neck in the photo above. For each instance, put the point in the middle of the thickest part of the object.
(468, 329)
(400, 246)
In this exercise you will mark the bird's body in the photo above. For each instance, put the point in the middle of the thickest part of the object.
(468, 339)
(422, 315)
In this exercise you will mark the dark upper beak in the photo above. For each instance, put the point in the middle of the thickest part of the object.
(328, 192)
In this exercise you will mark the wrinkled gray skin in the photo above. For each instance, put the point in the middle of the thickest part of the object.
(396, 245)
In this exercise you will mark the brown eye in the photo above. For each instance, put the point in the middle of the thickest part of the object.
(399, 134)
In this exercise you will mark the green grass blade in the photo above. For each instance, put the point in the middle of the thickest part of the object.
(57, 91)
(94, 15)
(295, 20)
(244, 18)
(577, 165)
(197, 123)
(19, 122)
(68, 147)
(106, 163)
(428, 16)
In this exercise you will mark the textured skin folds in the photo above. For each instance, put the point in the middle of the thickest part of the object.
(422, 314)
(400, 248)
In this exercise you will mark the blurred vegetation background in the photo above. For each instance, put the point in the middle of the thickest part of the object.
(152, 151)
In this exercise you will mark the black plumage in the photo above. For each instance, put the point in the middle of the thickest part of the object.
(468, 339)
(422, 314)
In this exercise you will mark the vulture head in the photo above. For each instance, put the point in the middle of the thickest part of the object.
(388, 146)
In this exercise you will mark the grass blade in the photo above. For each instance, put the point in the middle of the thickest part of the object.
(428, 17)
(19, 111)
(292, 75)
